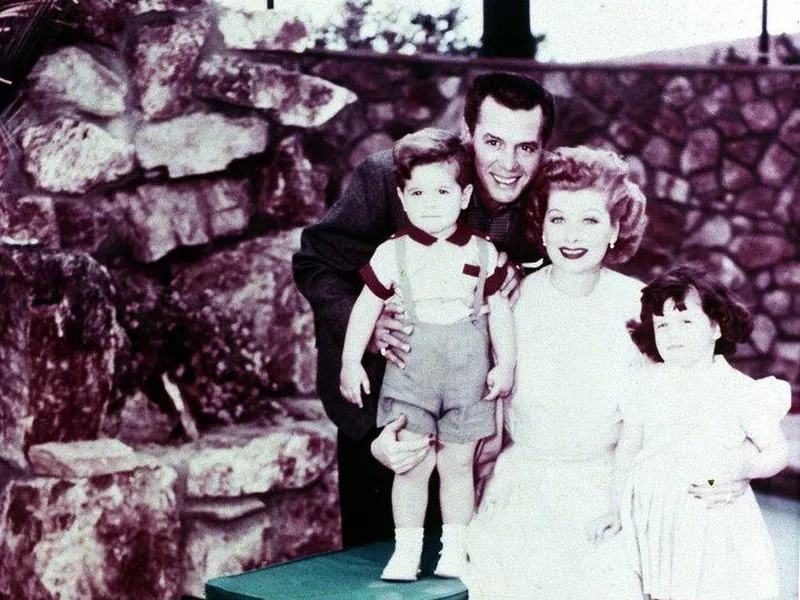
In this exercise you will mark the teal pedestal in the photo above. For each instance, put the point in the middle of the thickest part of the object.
(344, 575)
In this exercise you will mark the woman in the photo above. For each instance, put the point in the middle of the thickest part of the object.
(532, 535)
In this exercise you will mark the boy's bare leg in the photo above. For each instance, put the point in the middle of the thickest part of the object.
(457, 492)
(457, 497)
(410, 489)
(409, 503)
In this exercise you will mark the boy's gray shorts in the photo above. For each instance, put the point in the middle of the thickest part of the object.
(440, 389)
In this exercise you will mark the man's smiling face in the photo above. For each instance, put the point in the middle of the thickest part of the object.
(508, 149)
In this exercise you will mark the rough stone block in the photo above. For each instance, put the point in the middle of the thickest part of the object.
(162, 61)
(30, 219)
(110, 536)
(94, 156)
(292, 189)
(72, 75)
(57, 350)
(160, 218)
(199, 143)
(297, 99)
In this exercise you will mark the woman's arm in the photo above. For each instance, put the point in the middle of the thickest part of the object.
(501, 333)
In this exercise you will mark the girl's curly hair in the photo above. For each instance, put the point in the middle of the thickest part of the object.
(718, 302)
(582, 168)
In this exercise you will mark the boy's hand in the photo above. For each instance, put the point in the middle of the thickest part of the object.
(604, 527)
(389, 336)
(500, 381)
(353, 379)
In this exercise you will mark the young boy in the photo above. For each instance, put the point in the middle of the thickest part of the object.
(447, 279)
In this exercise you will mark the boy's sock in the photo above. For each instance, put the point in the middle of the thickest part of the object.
(453, 557)
(404, 564)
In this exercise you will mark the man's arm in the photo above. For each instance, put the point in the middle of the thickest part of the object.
(335, 248)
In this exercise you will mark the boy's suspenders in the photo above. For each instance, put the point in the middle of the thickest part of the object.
(405, 285)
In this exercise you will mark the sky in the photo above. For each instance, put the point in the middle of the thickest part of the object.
(586, 30)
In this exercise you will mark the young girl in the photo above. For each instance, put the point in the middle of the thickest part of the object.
(699, 423)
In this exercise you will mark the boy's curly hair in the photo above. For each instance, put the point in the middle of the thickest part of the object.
(428, 146)
(718, 302)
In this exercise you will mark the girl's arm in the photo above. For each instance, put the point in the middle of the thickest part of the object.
(629, 444)
(501, 332)
(362, 321)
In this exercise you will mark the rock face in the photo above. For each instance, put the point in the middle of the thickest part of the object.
(160, 218)
(199, 143)
(255, 495)
(162, 61)
(272, 29)
(57, 350)
(31, 219)
(293, 189)
(66, 155)
(73, 76)
(297, 99)
(127, 531)
(246, 296)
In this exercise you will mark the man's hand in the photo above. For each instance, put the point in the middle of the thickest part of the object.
(352, 380)
(500, 381)
(604, 527)
(510, 287)
(389, 335)
(399, 456)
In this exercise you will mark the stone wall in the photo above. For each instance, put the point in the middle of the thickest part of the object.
(155, 178)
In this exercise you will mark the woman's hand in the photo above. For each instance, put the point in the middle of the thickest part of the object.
(724, 484)
(604, 527)
(399, 456)
(389, 336)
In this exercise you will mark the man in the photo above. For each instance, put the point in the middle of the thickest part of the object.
(507, 120)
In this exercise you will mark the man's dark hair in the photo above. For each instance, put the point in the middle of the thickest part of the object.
(514, 91)
(429, 146)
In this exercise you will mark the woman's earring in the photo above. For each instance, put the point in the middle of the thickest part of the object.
(611, 245)
(544, 241)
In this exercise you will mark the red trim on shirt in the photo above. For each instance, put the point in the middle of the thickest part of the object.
(495, 281)
(373, 283)
(471, 270)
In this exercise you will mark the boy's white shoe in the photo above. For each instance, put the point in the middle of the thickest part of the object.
(404, 564)
(453, 557)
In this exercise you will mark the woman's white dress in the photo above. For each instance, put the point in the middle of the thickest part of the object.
(528, 539)
(692, 426)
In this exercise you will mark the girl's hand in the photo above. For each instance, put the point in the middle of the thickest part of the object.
(604, 527)
(500, 381)
(352, 380)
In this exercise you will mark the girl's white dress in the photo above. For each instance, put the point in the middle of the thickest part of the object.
(528, 539)
(692, 426)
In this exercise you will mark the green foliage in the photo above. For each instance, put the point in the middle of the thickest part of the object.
(365, 26)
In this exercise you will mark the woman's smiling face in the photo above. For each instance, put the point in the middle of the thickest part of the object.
(577, 229)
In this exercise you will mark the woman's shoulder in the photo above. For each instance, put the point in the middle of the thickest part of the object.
(623, 283)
